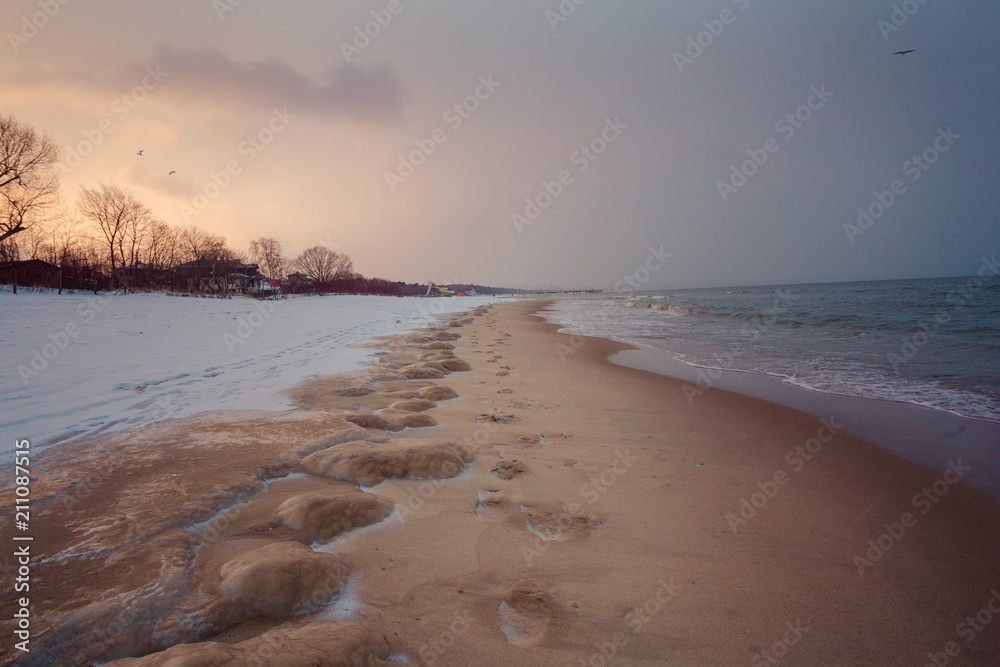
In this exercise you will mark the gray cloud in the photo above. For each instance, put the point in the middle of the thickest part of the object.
(366, 94)
(372, 94)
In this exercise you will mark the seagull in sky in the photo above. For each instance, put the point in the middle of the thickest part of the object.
(140, 152)
(903, 53)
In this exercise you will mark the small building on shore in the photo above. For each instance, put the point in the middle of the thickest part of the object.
(218, 276)
(30, 273)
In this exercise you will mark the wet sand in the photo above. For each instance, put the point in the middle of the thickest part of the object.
(542, 507)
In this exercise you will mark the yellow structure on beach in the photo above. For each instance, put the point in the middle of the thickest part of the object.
(435, 290)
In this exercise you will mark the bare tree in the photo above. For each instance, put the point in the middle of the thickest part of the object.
(64, 240)
(9, 251)
(32, 242)
(266, 253)
(29, 185)
(324, 265)
(119, 217)
(53, 241)
(135, 237)
(197, 244)
(162, 247)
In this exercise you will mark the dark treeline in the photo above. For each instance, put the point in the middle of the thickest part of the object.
(112, 241)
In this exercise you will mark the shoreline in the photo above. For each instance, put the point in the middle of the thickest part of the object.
(922, 434)
(588, 519)
(917, 433)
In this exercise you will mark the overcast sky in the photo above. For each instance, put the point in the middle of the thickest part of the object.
(664, 121)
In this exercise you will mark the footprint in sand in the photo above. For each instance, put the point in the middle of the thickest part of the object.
(497, 418)
(508, 470)
(551, 526)
(525, 614)
(503, 373)
(530, 441)
(491, 503)
(527, 441)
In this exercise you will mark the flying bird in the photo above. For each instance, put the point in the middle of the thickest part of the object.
(172, 173)
(903, 53)
(140, 152)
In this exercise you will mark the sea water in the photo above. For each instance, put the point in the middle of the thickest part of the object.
(925, 353)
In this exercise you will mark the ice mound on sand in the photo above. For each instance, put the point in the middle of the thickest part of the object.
(323, 517)
(341, 644)
(282, 579)
(456, 365)
(436, 355)
(414, 421)
(414, 405)
(369, 420)
(422, 373)
(437, 345)
(391, 420)
(437, 393)
(371, 464)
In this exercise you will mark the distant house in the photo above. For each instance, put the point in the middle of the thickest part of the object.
(243, 279)
(30, 273)
(297, 282)
(142, 275)
(219, 276)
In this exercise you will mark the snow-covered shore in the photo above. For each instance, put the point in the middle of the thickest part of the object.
(77, 364)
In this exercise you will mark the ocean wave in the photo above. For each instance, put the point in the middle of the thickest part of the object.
(667, 308)
(960, 402)
(832, 338)
(859, 381)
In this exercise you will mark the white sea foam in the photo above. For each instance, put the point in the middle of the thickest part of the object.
(828, 359)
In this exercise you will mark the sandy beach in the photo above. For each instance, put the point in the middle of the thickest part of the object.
(492, 492)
